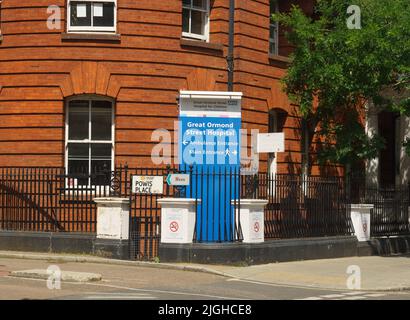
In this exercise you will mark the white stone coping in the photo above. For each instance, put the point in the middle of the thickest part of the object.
(356, 206)
(178, 201)
(251, 202)
(111, 201)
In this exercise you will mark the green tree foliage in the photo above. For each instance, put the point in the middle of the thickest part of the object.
(335, 71)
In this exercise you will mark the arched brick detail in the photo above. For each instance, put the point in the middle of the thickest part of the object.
(90, 78)
(201, 80)
(278, 99)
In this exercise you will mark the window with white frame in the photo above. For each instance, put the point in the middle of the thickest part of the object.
(89, 139)
(92, 16)
(195, 19)
(273, 29)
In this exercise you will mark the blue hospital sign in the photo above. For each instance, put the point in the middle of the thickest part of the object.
(209, 139)
(210, 124)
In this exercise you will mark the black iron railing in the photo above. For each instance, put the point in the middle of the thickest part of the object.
(50, 199)
(301, 206)
(391, 214)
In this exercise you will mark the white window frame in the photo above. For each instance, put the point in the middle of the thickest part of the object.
(190, 35)
(275, 24)
(89, 98)
(91, 28)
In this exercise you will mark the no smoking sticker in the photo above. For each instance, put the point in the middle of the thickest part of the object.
(173, 226)
(256, 227)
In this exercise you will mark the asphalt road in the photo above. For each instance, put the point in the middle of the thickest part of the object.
(141, 283)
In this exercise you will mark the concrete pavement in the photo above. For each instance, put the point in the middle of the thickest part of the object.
(376, 273)
(134, 282)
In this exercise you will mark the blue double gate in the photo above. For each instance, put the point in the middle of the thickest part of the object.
(217, 191)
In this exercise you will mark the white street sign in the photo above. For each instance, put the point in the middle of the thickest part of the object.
(178, 179)
(147, 184)
(210, 104)
(271, 142)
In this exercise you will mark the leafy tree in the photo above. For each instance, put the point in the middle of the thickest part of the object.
(335, 71)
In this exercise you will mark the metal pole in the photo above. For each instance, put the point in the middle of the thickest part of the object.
(0, 20)
(230, 57)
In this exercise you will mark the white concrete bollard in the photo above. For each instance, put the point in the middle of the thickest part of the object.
(178, 217)
(252, 219)
(113, 218)
(360, 215)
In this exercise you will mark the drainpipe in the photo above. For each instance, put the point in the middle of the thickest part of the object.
(230, 57)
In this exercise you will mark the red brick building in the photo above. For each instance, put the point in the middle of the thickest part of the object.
(92, 86)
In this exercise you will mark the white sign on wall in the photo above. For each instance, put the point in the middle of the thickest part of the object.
(210, 104)
(174, 225)
(147, 184)
(81, 10)
(178, 179)
(98, 10)
(271, 142)
(178, 218)
(256, 226)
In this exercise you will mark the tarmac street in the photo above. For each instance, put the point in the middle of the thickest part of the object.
(24, 276)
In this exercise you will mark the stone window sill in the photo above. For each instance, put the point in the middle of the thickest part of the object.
(277, 59)
(67, 36)
(202, 45)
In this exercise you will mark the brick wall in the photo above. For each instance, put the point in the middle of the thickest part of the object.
(143, 71)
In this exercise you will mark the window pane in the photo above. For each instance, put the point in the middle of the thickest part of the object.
(101, 120)
(185, 20)
(78, 114)
(186, 3)
(78, 170)
(101, 151)
(201, 4)
(101, 163)
(78, 151)
(103, 15)
(98, 166)
(100, 172)
(198, 22)
(102, 105)
(273, 6)
(273, 48)
(273, 34)
(78, 164)
(272, 31)
(80, 14)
